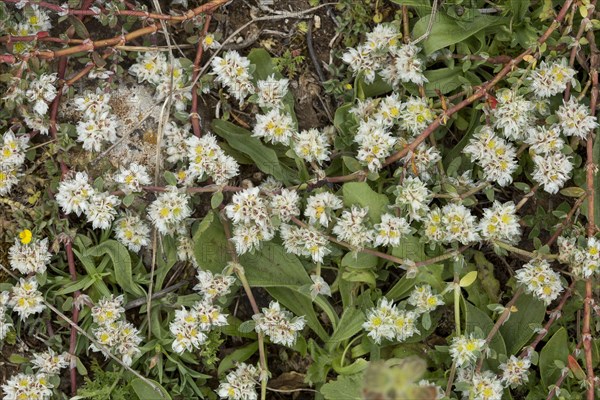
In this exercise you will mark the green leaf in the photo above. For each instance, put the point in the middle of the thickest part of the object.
(347, 387)
(121, 262)
(238, 356)
(349, 325)
(282, 274)
(517, 330)
(519, 9)
(79, 27)
(468, 279)
(363, 90)
(410, 247)
(557, 348)
(359, 260)
(264, 157)
(447, 31)
(146, 392)
(573, 191)
(216, 200)
(210, 244)
(128, 200)
(361, 193)
(475, 318)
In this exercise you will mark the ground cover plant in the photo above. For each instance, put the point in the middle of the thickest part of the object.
(374, 199)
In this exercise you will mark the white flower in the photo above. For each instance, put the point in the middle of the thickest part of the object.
(390, 230)
(543, 140)
(550, 79)
(49, 362)
(513, 115)
(132, 178)
(240, 383)
(352, 227)
(209, 41)
(248, 238)
(5, 320)
(421, 161)
(102, 210)
(248, 207)
(276, 126)
(304, 242)
(496, 156)
(278, 324)
(271, 92)
(26, 299)
(575, 119)
(37, 19)
(404, 325)
(539, 279)
(464, 349)
(232, 71)
(320, 207)
(12, 150)
(108, 310)
(388, 112)
(8, 179)
(175, 141)
(424, 300)
(500, 222)
(121, 338)
(413, 196)
(380, 321)
(552, 170)
(28, 258)
(132, 232)
(416, 114)
(41, 91)
(318, 287)
(285, 205)
(458, 224)
(212, 285)
(515, 371)
(208, 159)
(312, 146)
(149, 66)
(486, 386)
(405, 66)
(26, 386)
(375, 144)
(168, 210)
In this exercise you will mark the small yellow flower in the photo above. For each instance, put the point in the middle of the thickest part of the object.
(25, 236)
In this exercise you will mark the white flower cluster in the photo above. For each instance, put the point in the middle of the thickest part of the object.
(132, 232)
(233, 72)
(465, 349)
(387, 321)
(156, 69)
(500, 222)
(240, 383)
(382, 53)
(251, 220)
(41, 91)
(512, 115)
(113, 331)
(278, 324)
(12, 157)
(575, 119)
(496, 156)
(352, 227)
(48, 362)
(413, 197)
(515, 371)
(29, 256)
(377, 118)
(27, 386)
(33, 21)
(420, 161)
(5, 320)
(424, 300)
(308, 242)
(484, 386)
(538, 278)
(584, 262)
(550, 79)
(453, 223)
(208, 159)
(190, 327)
(168, 210)
(76, 195)
(132, 178)
(26, 299)
(98, 124)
